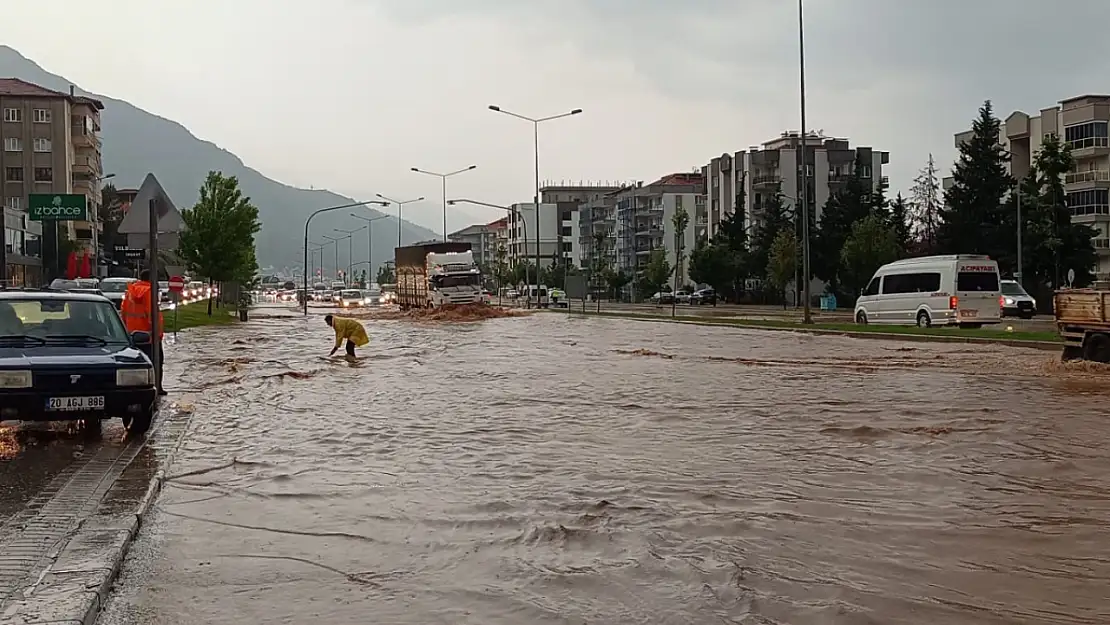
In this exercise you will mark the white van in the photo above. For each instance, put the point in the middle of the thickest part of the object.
(961, 289)
(534, 296)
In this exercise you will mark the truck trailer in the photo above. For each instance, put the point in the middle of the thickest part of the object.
(1083, 320)
(434, 275)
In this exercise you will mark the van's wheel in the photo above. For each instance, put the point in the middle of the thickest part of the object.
(1097, 348)
(923, 320)
(861, 318)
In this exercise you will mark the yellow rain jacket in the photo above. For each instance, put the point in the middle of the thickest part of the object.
(349, 329)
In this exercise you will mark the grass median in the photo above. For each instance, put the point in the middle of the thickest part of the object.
(195, 315)
(943, 333)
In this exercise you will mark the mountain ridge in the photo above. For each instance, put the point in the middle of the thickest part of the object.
(136, 141)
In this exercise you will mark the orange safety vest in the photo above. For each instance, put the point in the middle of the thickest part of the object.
(135, 309)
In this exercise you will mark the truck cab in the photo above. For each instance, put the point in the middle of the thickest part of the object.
(433, 275)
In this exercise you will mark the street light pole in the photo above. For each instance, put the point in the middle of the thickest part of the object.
(399, 205)
(369, 244)
(536, 121)
(807, 315)
(524, 231)
(306, 224)
(443, 178)
(350, 247)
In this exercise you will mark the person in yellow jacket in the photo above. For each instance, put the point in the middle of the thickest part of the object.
(347, 330)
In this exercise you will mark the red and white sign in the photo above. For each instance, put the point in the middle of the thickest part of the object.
(177, 284)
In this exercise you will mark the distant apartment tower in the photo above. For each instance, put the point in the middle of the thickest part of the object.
(568, 199)
(50, 144)
(1083, 122)
(757, 171)
(482, 239)
(643, 220)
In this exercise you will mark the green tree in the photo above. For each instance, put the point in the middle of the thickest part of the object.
(898, 219)
(681, 221)
(655, 274)
(218, 240)
(974, 219)
(775, 218)
(616, 280)
(871, 244)
(386, 275)
(782, 261)
(714, 264)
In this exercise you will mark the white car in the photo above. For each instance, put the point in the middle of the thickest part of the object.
(115, 288)
(351, 298)
(372, 297)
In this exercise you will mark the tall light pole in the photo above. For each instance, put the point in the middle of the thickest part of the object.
(370, 242)
(336, 242)
(807, 315)
(524, 231)
(399, 205)
(443, 178)
(306, 224)
(318, 247)
(536, 121)
(350, 248)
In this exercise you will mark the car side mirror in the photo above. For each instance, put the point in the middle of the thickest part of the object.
(140, 337)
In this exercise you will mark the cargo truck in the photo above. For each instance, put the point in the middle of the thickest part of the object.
(433, 275)
(1083, 321)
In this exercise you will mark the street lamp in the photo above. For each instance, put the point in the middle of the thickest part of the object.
(317, 247)
(370, 242)
(443, 178)
(399, 205)
(336, 241)
(524, 229)
(536, 121)
(350, 246)
(807, 316)
(309, 221)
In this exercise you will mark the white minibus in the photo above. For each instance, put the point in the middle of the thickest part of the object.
(960, 289)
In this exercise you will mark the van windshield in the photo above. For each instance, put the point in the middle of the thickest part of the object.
(976, 281)
(1013, 288)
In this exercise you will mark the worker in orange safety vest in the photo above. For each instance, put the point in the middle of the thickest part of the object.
(135, 310)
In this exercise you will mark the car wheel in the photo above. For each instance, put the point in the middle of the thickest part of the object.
(861, 318)
(923, 320)
(140, 424)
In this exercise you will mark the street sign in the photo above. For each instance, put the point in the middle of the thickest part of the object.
(177, 284)
(1071, 277)
(57, 207)
(129, 253)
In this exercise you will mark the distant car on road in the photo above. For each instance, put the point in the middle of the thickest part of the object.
(74, 286)
(682, 296)
(114, 289)
(662, 297)
(1016, 301)
(67, 356)
(351, 298)
(703, 296)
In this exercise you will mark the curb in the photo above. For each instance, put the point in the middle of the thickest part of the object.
(890, 336)
(74, 588)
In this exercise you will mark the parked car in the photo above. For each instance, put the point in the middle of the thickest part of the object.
(1016, 301)
(114, 289)
(703, 296)
(66, 356)
(74, 286)
(559, 298)
(682, 296)
(662, 297)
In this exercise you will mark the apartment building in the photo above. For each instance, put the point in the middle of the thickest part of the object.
(759, 170)
(597, 232)
(644, 216)
(569, 198)
(50, 144)
(483, 242)
(523, 224)
(1084, 124)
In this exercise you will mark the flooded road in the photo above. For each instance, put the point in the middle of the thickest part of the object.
(548, 469)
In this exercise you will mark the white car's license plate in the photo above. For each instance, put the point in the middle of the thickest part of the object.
(67, 404)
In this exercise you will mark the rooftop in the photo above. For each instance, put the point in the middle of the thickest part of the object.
(19, 88)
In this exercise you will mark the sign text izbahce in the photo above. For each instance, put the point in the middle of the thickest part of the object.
(57, 207)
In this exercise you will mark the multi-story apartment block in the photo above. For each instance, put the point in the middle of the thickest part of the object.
(483, 242)
(50, 144)
(524, 223)
(758, 171)
(597, 234)
(568, 198)
(643, 219)
(1083, 122)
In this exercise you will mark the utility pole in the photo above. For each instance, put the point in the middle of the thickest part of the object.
(807, 315)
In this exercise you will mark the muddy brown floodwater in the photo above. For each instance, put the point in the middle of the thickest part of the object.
(547, 469)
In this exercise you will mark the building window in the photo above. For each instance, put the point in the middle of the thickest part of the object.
(14, 203)
(44, 174)
(13, 115)
(1088, 135)
(864, 171)
(568, 231)
(13, 144)
(40, 116)
(42, 145)
(1089, 202)
(13, 174)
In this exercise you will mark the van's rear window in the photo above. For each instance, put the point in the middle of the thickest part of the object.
(976, 281)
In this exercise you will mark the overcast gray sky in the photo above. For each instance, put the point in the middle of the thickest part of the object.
(349, 94)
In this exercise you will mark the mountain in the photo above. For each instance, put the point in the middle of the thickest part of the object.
(136, 142)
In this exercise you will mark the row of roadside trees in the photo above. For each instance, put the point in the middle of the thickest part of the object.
(861, 228)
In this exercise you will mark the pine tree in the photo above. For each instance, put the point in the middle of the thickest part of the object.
(854, 202)
(925, 206)
(973, 219)
(1051, 242)
(898, 217)
(774, 219)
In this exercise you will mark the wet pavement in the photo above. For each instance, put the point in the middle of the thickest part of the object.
(552, 469)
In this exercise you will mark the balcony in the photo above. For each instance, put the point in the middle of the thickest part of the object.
(1091, 175)
(85, 139)
(1101, 243)
(86, 166)
(759, 181)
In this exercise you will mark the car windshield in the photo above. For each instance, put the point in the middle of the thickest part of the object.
(351, 294)
(114, 287)
(50, 318)
(64, 285)
(1013, 288)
